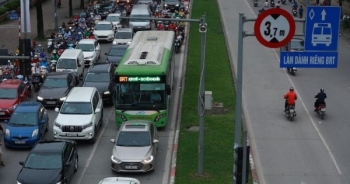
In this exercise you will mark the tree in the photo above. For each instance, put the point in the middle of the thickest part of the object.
(39, 18)
(81, 4)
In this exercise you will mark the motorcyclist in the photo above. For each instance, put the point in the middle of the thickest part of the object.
(35, 59)
(42, 54)
(182, 13)
(83, 14)
(81, 19)
(160, 26)
(87, 33)
(54, 55)
(172, 26)
(294, 5)
(66, 34)
(45, 63)
(266, 4)
(301, 11)
(63, 25)
(38, 49)
(82, 26)
(321, 96)
(278, 5)
(6, 75)
(70, 23)
(53, 35)
(290, 98)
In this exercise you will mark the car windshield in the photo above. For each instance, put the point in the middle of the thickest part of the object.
(86, 47)
(139, 16)
(44, 161)
(97, 77)
(8, 93)
(55, 83)
(117, 51)
(297, 44)
(134, 139)
(112, 18)
(123, 35)
(76, 108)
(66, 64)
(103, 27)
(24, 119)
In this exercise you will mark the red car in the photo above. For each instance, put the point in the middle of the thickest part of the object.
(12, 92)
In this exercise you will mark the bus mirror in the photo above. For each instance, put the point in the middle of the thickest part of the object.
(168, 90)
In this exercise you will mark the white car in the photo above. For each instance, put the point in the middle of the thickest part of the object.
(119, 180)
(123, 36)
(114, 18)
(91, 50)
(80, 116)
(104, 31)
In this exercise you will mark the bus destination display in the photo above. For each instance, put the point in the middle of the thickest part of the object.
(124, 79)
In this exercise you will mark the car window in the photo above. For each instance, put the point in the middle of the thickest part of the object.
(8, 93)
(86, 47)
(69, 79)
(97, 77)
(134, 139)
(21, 88)
(96, 44)
(69, 153)
(95, 100)
(55, 83)
(76, 108)
(24, 119)
(41, 112)
(44, 161)
(152, 131)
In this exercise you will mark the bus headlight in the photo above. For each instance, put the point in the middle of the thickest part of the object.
(121, 116)
(159, 117)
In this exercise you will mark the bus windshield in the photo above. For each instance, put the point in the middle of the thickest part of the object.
(145, 96)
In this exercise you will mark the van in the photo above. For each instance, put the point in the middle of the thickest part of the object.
(140, 11)
(72, 60)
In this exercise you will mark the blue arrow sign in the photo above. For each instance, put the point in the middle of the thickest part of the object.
(322, 28)
(309, 59)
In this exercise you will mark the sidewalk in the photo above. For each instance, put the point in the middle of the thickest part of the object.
(9, 30)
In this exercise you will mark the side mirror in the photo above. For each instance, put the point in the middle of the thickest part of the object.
(168, 90)
(97, 110)
(21, 163)
(68, 164)
(22, 96)
(57, 109)
(106, 54)
(112, 140)
(155, 141)
(6, 121)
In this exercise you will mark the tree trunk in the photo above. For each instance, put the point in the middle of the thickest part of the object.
(81, 4)
(70, 8)
(40, 20)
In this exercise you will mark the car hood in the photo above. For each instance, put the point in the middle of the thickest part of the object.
(114, 59)
(103, 32)
(74, 119)
(53, 92)
(100, 86)
(21, 130)
(45, 176)
(132, 154)
(88, 53)
(7, 103)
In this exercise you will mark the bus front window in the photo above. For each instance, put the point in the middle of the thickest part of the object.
(140, 95)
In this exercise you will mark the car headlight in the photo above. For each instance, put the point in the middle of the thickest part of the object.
(106, 93)
(114, 42)
(19, 182)
(87, 126)
(7, 132)
(129, 43)
(115, 160)
(59, 182)
(57, 124)
(63, 98)
(159, 117)
(148, 160)
(177, 5)
(165, 5)
(39, 98)
(121, 116)
(35, 132)
(13, 107)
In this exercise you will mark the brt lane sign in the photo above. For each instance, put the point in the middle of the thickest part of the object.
(309, 59)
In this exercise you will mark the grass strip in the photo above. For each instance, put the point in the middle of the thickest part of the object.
(219, 128)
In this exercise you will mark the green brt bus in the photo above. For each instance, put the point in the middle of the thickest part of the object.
(144, 78)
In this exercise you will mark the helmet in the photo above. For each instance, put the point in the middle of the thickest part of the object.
(35, 56)
(322, 90)
(291, 89)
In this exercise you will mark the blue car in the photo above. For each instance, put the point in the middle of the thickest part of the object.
(27, 125)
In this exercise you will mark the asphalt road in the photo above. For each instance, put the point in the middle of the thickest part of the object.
(94, 160)
(308, 150)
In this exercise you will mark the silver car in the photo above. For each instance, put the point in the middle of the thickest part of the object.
(119, 180)
(135, 147)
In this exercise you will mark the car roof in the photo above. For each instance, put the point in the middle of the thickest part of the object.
(136, 125)
(103, 22)
(10, 83)
(80, 94)
(100, 67)
(57, 75)
(91, 41)
(28, 106)
(119, 46)
(49, 146)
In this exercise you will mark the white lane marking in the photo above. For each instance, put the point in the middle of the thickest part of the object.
(100, 133)
(307, 112)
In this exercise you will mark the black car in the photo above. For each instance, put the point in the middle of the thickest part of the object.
(105, 9)
(116, 53)
(50, 162)
(172, 5)
(55, 89)
(101, 77)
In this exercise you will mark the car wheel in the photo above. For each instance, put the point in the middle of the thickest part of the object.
(76, 165)
(93, 140)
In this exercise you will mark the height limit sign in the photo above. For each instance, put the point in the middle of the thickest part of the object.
(274, 28)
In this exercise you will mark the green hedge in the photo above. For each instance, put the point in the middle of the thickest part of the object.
(13, 4)
(3, 10)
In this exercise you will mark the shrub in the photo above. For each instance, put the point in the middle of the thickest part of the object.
(13, 4)
(3, 10)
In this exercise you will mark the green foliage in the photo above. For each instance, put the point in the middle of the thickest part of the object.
(13, 4)
(3, 10)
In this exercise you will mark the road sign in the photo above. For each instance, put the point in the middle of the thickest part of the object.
(274, 28)
(322, 28)
(309, 59)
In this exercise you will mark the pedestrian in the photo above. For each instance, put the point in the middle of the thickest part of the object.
(1, 156)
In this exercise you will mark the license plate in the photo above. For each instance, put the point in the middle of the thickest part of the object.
(72, 135)
(20, 142)
(50, 102)
(323, 109)
(2, 113)
(131, 167)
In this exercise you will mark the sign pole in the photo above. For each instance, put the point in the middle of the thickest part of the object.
(56, 17)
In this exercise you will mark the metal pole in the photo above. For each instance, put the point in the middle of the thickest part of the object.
(201, 103)
(244, 173)
(238, 120)
(25, 18)
(56, 17)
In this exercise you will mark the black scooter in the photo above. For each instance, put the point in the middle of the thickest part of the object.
(37, 80)
(177, 45)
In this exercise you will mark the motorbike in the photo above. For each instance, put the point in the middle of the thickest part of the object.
(294, 12)
(26, 81)
(321, 110)
(177, 45)
(272, 3)
(283, 1)
(166, 25)
(292, 71)
(290, 112)
(49, 45)
(255, 3)
(43, 71)
(37, 81)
